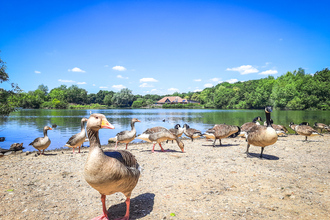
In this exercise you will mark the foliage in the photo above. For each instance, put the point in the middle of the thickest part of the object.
(124, 98)
(8, 101)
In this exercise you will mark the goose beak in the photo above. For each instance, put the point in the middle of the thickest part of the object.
(50, 129)
(106, 124)
(138, 121)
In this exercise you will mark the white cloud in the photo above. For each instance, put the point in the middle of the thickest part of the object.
(148, 80)
(106, 65)
(208, 85)
(268, 72)
(121, 77)
(118, 87)
(197, 80)
(231, 81)
(81, 83)
(198, 90)
(37, 71)
(153, 90)
(94, 85)
(244, 69)
(146, 85)
(172, 90)
(76, 69)
(215, 79)
(103, 87)
(119, 68)
(66, 81)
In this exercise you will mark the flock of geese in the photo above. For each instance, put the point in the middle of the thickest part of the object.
(118, 171)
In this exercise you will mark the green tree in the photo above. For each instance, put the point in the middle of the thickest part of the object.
(43, 88)
(7, 101)
(124, 98)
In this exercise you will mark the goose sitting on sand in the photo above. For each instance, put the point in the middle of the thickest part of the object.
(220, 131)
(177, 131)
(248, 125)
(191, 132)
(304, 130)
(159, 134)
(42, 143)
(78, 139)
(260, 135)
(127, 136)
(109, 172)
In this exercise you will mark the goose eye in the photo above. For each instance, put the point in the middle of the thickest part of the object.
(97, 117)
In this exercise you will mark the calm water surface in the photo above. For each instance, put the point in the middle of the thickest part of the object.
(26, 125)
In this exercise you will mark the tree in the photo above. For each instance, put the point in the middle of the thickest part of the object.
(124, 98)
(7, 105)
(43, 88)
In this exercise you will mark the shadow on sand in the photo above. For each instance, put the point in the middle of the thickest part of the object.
(140, 207)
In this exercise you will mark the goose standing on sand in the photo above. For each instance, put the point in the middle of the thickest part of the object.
(78, 139)
(321, 126)
(248, 125)
(42, 143)
(177, 131)
(156, 135)
(260, 135)
(109, 172)
(127, 136)
(220, 131)
(191, 132)
(304, 130)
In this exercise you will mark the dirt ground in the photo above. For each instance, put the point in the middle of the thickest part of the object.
(205, 182)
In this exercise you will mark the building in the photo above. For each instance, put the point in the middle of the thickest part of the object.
(174, 100)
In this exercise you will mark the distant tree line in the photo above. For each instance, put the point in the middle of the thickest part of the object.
(292, 91)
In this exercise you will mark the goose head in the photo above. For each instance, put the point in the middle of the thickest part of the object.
(135, 120)
(186, 126)
(177, 126)
(268, 109)
(46, 128)
(84, 120)
(98, 121)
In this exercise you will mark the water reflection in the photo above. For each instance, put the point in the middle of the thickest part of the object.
(26, 125)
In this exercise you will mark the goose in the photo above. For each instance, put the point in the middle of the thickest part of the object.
(78, 139)
(248, 125)
(304, 130)
(127, 136)
(260, 135)
(280, 129)
(321, 126)
(109, 172)
(42, 143)
(220, 131)
(191, 132)
(54, 125)
(158, 135)
(177, 131)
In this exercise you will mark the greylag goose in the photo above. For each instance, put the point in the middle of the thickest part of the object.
(320, 126)
(42, 143)
(220, 131)
(260, 135)
(191, 132)
(304, 130)
(127, 136)
(159, 134)
(248, 125)
(109, 172)
(177, 131)
(78, 139)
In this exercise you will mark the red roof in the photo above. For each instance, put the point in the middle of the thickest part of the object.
(171, 99)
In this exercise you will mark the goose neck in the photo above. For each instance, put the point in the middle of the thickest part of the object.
(93, 136)
(268, 119)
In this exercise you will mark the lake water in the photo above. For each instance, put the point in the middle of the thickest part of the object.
(26, 125)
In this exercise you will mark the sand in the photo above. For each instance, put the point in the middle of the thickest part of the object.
(205, 182)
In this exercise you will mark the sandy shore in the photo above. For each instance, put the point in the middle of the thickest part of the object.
(205, 182)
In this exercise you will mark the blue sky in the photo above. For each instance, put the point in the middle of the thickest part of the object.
(159, 47)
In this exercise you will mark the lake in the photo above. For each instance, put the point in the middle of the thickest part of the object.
(26, 125)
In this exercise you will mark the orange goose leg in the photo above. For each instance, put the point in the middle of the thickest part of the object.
(105, 212)
(161, 148)
(126, 146)
(126, 217)
(116, 145)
